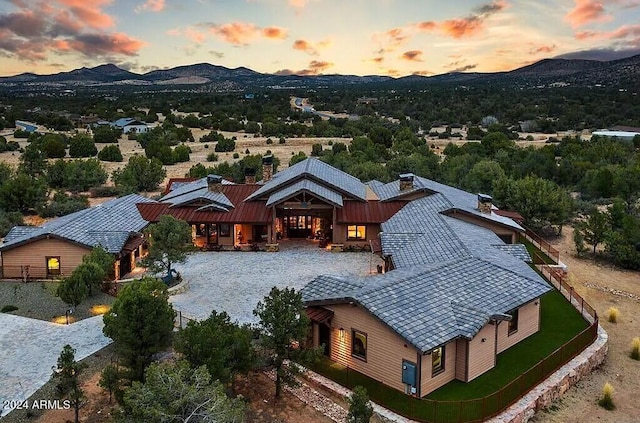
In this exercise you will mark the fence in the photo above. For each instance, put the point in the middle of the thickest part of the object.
(543, 245)
(477, 410)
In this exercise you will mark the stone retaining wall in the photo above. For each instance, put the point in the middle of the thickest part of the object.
(556, 385)
(179, 288)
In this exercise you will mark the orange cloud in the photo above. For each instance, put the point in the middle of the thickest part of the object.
(543, 49)
(241, 33)
(304, 45)
(393, 72)
(315, 67)
(412, 56)
(625, 31)
(463, 27)
(378, 59)
(422, 73)
(90, 12)
(426, 26)
(152, 6)
(586, 11)
(274, 32)
(106, 44)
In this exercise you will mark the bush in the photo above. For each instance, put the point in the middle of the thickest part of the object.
(53, 146)
(606, 401)
(281, 140)
(8, 308)
(63, 204)
(82, 146)
(225, 144)
(635, 348)
(269, 141)
(236, 155)
(106, 134)
(360, 409)
(212, 157)
(19, 133)
(8, 221)
(181, 153)
(613, 315)
(111, 153)
(104, 191)
(140, 174)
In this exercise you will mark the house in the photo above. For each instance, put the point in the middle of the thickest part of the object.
(130, 125)
(458, 291)
(57, 247)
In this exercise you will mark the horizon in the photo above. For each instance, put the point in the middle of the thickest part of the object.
(313, 37)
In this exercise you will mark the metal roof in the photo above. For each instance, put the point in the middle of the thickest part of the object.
(305, 185)
(109, 224)
(372, 211)
(319, 171)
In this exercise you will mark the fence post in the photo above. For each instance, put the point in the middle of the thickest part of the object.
(180, 314)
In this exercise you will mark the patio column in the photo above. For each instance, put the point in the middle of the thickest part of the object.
(333, 225)
(274, 233)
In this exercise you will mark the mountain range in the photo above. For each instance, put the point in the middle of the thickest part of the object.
(622, 73)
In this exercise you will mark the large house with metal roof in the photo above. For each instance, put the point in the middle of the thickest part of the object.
(458, 291)
(57, 247)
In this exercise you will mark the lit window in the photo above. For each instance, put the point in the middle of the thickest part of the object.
(53, 266)
(513, 323)
(437, 361)
(356, 232)
(359, 344)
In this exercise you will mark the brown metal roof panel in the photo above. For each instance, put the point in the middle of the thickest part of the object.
(369, 212)
(319, 314)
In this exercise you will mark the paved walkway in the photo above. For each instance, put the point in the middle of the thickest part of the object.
(29, 348)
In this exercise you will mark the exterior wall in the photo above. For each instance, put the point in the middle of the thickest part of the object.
(340, 234)
(482, 355)
(431, 383)
(140, 129)
(34, 255)
(385, 349)
(247, 232)
(528, 324)
(462, 346)
(496, 228)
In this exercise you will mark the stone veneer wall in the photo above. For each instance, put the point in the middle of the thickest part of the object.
(556, 385)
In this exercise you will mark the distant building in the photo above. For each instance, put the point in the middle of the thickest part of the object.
(130, 125)
(367, 100)
(26, 126)
(621, 135)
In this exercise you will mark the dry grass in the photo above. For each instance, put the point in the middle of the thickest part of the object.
(606, 401)
(635, 348)
(613, 315)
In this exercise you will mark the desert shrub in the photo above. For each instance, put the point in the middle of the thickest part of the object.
(281, 140)
(106, 134)
(63, 204)
(8, 220)
(606, 401)
(225, 144)
(110, 153)
(104, 191)
(212, 157)
(53, 146)
(19, 133)
(8, 308)
(82, 146)
(236, 155)
(613, 315)
(269, 141)
(181, 153)
(635, 348)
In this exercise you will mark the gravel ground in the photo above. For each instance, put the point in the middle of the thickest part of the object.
(235, 281)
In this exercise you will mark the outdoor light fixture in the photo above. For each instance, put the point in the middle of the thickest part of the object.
(342, 333)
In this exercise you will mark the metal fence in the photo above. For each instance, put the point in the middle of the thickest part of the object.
(543, 245)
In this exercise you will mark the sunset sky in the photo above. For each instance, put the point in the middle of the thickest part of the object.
(362, 37)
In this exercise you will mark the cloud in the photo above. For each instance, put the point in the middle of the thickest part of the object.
(412, 56)
(601, 54)
(151, 6)
(393, 72)
(315, 67)
(242, 33)
(378, 59)
(305, 46)
(38, 28)
(542, 49)
(463, 27)
(585, 12)
(216, 54)
(465, 68)
(422, 73)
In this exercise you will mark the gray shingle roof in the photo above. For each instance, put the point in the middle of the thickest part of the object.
(201, 194)
(182, 189)
(108, 224)
(319, 171)
(305, 185)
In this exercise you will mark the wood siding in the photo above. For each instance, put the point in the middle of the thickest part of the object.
(461, 359)
(34, 255)
(385, 349)
(340, 234)
(429, 382)
(528, 324)
(482, 355)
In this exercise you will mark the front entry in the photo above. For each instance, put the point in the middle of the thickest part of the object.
(324, 338)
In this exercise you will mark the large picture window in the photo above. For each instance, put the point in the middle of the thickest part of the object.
(225, 230)
(53, 266)
(513, 323)
(356, 232)
(359, 344)
(437, 361)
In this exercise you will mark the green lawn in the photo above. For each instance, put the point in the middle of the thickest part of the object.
(533, 251)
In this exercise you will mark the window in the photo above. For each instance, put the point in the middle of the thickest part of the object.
(359, 344)
(513, 323)
(225, 229)
(437, 361)
(53, 266)
(356, 232)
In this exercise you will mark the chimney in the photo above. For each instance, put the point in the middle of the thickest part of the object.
(267, 168)
(485, 202)
(249, 175)
(406, 181)
(214, 183)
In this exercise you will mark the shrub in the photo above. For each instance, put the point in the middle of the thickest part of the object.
(110, 153)
(212, 157)
(635, 348)
(62, 204)
(181, 153)
(53, 146)
(225, 144)
(269, 141)
(8, 308)
(20, 133)
(281, 140)
(606, 401)
(360, 409)
(82, 146)
(236, 155)
(613, 314)
(8, 221)
(104, 191)
(247, 151)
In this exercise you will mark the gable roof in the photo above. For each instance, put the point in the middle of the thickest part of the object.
(122, 122)
(305, 185)
(109, 224)
(317, 170)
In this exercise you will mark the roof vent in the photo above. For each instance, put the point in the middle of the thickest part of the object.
(406, 181)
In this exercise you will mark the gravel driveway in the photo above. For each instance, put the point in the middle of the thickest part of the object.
(235, 281)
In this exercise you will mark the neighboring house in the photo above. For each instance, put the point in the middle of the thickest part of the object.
(130, 125)
(458, 292)
(57, 247)
(26, 126)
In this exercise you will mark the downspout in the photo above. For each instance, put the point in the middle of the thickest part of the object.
(497, 318)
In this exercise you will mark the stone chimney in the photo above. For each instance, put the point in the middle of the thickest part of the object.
(267, 168)
(249, 175)
(406, 181)
(214, 183)
(485, 202)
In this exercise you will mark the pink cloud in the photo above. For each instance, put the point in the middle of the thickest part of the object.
(315, 67)
(585, 12)
(241, 33)
(152, 6)
(274, 32)
(90, 12)
(412, 56)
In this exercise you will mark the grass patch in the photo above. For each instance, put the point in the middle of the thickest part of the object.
(536, 252)
(635, 349)
(606, 401)
(613, 315)
(560, 322)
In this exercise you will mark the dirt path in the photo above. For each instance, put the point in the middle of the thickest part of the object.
(595, 282)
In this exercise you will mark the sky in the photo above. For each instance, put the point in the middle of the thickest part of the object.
(311, 37)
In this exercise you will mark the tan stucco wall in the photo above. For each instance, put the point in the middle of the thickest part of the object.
(482, 355)
(385, 349)
(34, 255)
(528, 324)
